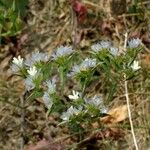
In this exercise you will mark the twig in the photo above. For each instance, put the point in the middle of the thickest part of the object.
(128, 102)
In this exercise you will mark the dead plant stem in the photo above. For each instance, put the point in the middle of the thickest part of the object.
(128, 101)
(129, 113)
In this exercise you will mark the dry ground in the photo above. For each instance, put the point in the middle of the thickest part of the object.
(49, 25)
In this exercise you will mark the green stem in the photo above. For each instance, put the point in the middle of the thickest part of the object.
(62, 79)
(83, 87)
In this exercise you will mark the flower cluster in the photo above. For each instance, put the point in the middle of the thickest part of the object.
(51, 84)
(48, 101)
(47, 98)
(114, 51)
(70, 112)
(105, 45)
(37, 57)
(84, 66)
(105, 58)
(62, 51)
(101, 45)
(96, 101)
(134, 43)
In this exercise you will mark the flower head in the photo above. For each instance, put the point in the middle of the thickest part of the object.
(101, 45)
(104, 110)
(51, 84)
(62, 51)
(17, 64)
(88, 63)
(47, 100)
(75, 95)
(32, 71)
(114, 51)
(37, 57)
(29, 83)
(135, 66)
(96, 101)
(84, 66)
(133, 43)
(70, 112)
(18, 61)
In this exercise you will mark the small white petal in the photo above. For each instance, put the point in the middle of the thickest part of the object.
(135, 66)
(18, 61)
(32, 71)
(75, 95)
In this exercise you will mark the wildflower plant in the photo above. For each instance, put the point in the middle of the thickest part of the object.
(44, 75)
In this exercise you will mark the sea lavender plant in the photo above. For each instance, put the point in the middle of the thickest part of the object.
(77, 108)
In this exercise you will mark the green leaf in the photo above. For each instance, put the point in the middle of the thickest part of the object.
(36, 94)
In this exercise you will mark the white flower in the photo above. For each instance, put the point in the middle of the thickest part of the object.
(18, 61)
(37, 57)
(75, 95)
(133, 43)
(75, 70)
(32, 71)
(101, 45)
(114, 51)
(51, 84)
(29, 84)
(135, 66)
(62, 51)
(70, 112)
(17, 64)
(85, 65)
(104, 110)
(47, 100)
(96, 101)
(88, 63)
